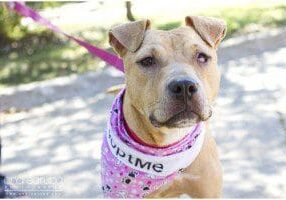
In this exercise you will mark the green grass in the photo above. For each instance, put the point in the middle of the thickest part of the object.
(169, 26)
(34, 61)
(54, 59)
(240, 20)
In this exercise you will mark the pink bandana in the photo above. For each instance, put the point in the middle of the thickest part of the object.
(130, 169)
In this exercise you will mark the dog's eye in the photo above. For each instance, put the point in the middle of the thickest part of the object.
(202, 58)
(147, 62)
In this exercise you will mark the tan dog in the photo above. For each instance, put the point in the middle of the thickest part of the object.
(172, 80)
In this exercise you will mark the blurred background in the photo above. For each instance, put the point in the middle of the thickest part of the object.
(53, 105)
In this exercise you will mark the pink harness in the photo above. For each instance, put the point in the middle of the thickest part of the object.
(130, 169)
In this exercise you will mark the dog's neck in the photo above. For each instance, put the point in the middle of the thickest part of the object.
(148, 133)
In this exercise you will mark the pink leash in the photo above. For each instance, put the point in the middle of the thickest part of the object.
(95, 51)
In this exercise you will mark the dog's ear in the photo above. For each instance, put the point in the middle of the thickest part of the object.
(211, 30)
(128, 37)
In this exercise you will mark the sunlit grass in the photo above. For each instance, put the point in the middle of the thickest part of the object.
(45, 63)
(240, 20)
(243, 19)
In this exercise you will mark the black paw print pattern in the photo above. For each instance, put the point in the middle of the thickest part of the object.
(146, 186)
(126, 180)
(106, 188)
(131, 175)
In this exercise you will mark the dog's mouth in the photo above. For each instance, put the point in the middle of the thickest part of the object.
(182, 119)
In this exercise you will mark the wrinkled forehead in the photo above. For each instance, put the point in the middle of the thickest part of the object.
(178, 39)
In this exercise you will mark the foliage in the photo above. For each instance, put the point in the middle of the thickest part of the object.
(11, 28)
(169, 26)
(241, 20)
(36, 60)
(45, 4)
(34, 56)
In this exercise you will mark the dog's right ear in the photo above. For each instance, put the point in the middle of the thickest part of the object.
(128, 37)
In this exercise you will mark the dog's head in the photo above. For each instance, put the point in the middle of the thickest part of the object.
(171, 76)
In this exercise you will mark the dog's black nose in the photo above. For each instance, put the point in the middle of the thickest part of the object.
(181, 88)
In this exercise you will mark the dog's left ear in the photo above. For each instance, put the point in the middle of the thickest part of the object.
(211, 30)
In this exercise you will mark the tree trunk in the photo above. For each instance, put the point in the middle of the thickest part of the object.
(130, 16)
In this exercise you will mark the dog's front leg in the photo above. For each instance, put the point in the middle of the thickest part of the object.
(176, 188)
